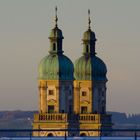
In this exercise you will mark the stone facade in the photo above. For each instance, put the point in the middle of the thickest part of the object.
(72, 100)
(55, 96)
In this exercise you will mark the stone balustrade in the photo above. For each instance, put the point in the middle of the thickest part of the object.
(92, 118)
(63, 117)
(54, 117)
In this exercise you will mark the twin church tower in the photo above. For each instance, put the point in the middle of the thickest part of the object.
(72, 97)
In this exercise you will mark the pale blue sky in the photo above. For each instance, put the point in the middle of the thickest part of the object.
(24, 31)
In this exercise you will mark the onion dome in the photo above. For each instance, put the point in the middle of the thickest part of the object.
(56, 66)
(89, 66)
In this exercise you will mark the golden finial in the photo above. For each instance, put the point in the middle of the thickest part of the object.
(89, 21)
(56, 18)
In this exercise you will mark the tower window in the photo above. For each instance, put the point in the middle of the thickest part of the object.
(70, 92)
(102, 93)
(103, 109)
(50, 109)
(70, 109)
(84, 109)
(84, 93)
(51, 92)
(50, 135)
(54, 46)
(87, 50)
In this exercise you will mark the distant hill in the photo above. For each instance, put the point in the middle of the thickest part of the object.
(23, 120)
(122, 118)
(16, 119)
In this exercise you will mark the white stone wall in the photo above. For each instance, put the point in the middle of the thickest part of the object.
(85, 100)
(51, 99)
(61, 99)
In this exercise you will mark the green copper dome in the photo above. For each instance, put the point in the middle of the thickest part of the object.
(90, 68)
(56, 67)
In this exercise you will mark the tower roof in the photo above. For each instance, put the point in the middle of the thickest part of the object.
(56, 33)
(56, 66)
(89, 66)
(89, 35)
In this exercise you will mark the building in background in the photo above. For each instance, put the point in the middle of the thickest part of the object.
(72, 97)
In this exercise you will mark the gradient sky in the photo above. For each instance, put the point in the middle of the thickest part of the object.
(24, 31)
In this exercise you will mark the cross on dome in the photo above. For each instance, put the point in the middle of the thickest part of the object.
(56, 18)
(89, 20)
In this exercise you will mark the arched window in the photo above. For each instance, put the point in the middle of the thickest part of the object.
(50, 135)
(83, 135)
(54, 46)
(87, 50)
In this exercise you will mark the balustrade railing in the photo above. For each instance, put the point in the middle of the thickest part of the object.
(51, 117)
(94, 118)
